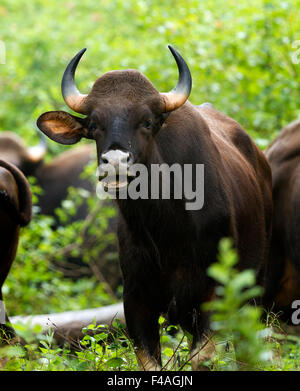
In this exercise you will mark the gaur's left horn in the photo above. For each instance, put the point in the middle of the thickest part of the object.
(177, 97)
(73, 98)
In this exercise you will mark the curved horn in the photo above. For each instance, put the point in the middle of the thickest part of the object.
(37, 152)
(73, 98)
(177, 97)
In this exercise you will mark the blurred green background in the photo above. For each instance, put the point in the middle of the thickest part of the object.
(241, 58)
(239, 53)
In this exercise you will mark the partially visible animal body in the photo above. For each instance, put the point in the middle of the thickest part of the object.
(15, 212)
(284, 158)
(55, 178)
(164, 248)
(61, 173)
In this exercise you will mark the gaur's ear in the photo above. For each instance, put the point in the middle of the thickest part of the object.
(62, 127)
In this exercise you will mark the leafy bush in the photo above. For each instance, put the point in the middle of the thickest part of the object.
(240, 55)
(242, 340)
(234, 319)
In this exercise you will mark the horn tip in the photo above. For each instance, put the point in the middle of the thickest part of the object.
(81, 52)
(172, 50)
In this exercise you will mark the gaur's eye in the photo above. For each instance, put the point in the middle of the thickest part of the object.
(148, 123)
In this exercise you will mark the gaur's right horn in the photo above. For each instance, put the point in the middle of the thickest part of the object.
(73, 98)
(178, 95)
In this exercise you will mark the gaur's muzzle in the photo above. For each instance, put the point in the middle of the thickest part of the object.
(114, 169)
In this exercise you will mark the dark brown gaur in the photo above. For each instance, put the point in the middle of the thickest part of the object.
(165, 249)
(284, 158)
(15, 212)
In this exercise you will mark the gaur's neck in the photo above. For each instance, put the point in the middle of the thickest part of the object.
(173, 145)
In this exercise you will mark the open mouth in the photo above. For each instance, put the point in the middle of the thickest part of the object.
(112, 183)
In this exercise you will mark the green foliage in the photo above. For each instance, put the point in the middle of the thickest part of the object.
(243, 341)
(109, 349)
(101, 347)
(233, 317)
(35, 283)
(240, 56)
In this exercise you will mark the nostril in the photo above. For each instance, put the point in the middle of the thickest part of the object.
(129, 158)
(104, 160)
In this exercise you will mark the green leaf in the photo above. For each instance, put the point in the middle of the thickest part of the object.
(115, 362)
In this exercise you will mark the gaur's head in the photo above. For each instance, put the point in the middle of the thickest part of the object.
(123, 110)
(14, 151)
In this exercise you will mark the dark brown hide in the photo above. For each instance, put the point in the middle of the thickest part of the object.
(164, 248)
(284, 158)
(15, 211)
